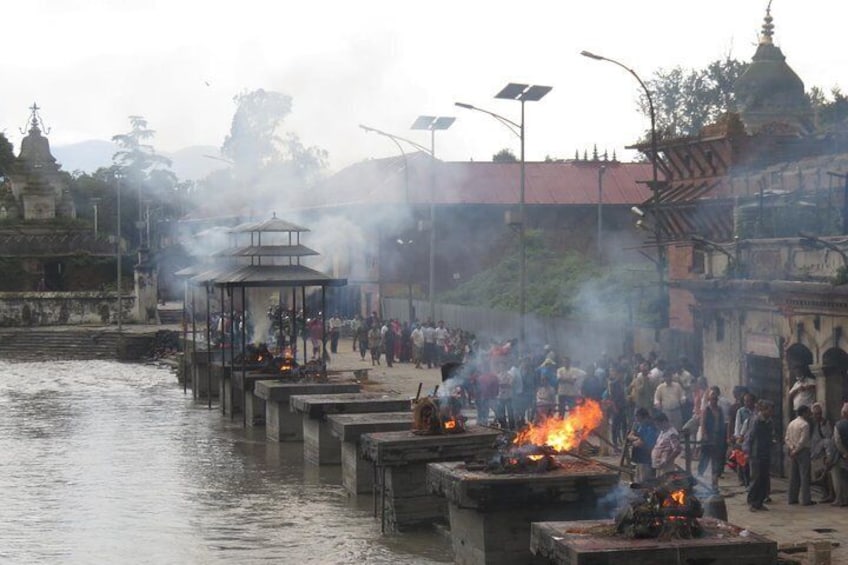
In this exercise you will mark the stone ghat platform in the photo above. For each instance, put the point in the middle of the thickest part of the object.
(594, 543)
(401, 460)
(357, 473)
(320, 446)
(490, 513)
(281, 424)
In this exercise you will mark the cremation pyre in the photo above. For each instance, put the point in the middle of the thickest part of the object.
(437, 415)
(534, 448)
(665, 508)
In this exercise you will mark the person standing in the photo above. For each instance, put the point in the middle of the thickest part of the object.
(667, 447)
(803, 390)
(838, 459)
(335, 327)
(362, 337)
(388, 335)
(375, 342)
(641, 392)
(417, 338)
(714, 434)
(821, 434)
(758, 445)
(642, 438)
(429, 344)
(504, 413)
(440, 338)
(669, 398)
(355, 326)
(797, 440)
(568, 381)
(741, 429)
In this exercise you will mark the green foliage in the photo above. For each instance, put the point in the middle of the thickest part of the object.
(830, 111)
(685, 100)
(505, 155)
(559, 284)
(7, 155)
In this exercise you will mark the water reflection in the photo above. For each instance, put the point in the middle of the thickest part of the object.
(105, 462)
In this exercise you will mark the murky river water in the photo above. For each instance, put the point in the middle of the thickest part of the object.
(102, 462)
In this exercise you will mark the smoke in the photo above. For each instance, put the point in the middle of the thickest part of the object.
(258, 301)
(618, 497)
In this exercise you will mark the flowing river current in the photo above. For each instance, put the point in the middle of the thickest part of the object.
(105, 462)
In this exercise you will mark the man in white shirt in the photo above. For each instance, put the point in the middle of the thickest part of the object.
(441, 337)
(429, 344)
(417, 345)
(797, 442)
(669, 398)
(335, 327)
(803, 390)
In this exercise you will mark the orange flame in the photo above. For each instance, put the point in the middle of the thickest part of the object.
(450, 424)
(678, 496)
(535, 457)
(563, 434)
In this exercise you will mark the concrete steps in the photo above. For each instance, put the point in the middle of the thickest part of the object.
(71, 344)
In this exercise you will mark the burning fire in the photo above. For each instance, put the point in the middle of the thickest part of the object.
(563, 434)
(676, 497)
(449, 424)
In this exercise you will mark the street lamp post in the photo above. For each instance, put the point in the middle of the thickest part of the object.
(601, 172)
(432, 123)
(118, 257)
(397, 141)
(655, 186)
(522, 93)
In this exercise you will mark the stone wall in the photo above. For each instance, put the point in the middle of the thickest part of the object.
(25, 309)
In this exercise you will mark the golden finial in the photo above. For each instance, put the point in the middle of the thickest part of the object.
(768, 27)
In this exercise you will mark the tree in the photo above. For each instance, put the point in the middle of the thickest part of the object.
(505, 155)
(265, 162)
(7, 155)
(831, 112)
(147, 173)
(687, 100)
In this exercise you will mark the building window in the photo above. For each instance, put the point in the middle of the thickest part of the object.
(699, 261)
(719, 329)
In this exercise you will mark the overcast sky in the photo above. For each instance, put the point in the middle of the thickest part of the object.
(91, 63)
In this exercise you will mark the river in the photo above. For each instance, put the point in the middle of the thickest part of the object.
(104, 462)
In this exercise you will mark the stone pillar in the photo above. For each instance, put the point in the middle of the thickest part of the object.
(146, 289)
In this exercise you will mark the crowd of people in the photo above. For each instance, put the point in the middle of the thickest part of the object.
(427, 343)
(650, 406)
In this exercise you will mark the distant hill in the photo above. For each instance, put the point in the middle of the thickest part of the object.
(189, 163)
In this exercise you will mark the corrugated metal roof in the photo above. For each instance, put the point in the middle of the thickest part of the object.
(265, 276)
(274, 224)
(558, 183)
(267, 251)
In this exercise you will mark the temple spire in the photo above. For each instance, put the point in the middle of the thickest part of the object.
(768, 27)
(35, 122)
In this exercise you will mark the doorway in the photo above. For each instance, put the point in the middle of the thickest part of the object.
(764, 378)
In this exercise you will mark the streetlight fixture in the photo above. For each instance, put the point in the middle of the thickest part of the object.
(396, 139)
(655, 185)
(432, 123)
(522, 93)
